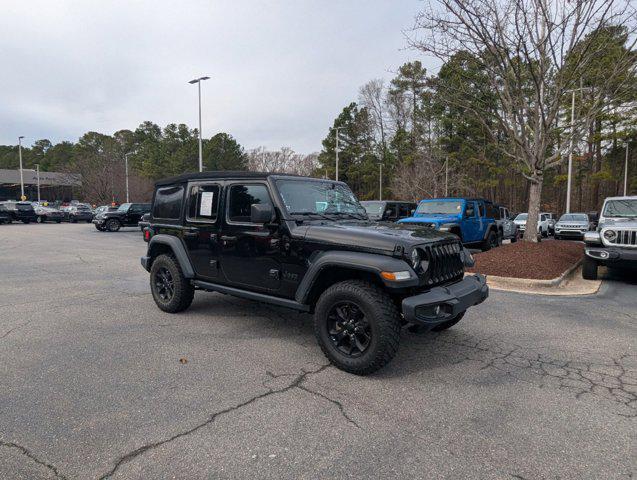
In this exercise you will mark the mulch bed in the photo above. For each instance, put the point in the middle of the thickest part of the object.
(539, 261)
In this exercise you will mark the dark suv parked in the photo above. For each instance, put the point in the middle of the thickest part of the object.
(388, 211)
(306, 244)
(126, 215)
(19, 211)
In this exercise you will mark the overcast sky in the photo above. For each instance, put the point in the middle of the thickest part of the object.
(281, 70)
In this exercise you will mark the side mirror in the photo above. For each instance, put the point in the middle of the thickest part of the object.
(261, 213)
(413, 210)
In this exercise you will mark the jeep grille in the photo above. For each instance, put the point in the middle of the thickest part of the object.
(624, 238)
(444, 263)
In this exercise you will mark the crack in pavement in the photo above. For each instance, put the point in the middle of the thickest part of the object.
(300, 378)
(608, 378)
(25, 451)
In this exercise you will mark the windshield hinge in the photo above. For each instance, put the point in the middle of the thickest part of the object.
(398, 251)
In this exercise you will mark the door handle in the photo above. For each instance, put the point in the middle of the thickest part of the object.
(225, 239)
(191, 233)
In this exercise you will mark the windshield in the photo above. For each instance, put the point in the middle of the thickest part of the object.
(374, 208)
(522, 216)
(322, 197)
(452, 207)
(621, 208)
(574, 217)
(124, 207)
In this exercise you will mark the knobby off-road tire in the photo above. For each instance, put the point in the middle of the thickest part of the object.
(113, 225)
(448, 323)
(589, 268)
(380, 319)
(490, 242)
(171, 291)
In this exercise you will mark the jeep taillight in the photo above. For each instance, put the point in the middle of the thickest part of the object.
(147, 234)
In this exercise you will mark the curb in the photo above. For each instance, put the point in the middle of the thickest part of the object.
(531, 283)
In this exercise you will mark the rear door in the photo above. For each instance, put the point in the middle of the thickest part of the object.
(201, 227)
(134, 214)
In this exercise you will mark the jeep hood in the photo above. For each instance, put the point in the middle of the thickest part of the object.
(375, 236)
(433, 218)
(619, 222)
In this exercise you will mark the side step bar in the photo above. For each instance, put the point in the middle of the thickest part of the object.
(259, 297)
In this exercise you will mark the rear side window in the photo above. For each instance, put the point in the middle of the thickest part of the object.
(242, 197)
(167, 202)
(203, 203)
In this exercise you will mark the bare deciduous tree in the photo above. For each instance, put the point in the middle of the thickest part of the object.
(281, 161)
(531, 52)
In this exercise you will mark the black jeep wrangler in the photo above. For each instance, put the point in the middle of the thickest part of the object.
(126, 215)
(306, 244)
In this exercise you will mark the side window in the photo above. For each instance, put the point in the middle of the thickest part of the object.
(403, 210)
(390, 210)
(242, 197)
(167, 203)
(203, 203)
(470, 211)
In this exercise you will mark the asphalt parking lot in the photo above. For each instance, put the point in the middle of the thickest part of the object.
(96, 382)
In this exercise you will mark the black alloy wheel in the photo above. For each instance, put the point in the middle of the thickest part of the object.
(349, 331)
(164, 284)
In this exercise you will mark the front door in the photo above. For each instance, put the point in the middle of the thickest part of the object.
(201, 232)
(471, 223)
(250, 253)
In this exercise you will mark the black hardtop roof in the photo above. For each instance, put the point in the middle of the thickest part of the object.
(223, 174)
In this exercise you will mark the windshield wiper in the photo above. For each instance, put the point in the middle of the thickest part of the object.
(312, 214)
(357, 216)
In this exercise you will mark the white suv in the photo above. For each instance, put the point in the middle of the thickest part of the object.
(543, 224)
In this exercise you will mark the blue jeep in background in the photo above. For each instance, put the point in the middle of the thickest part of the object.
(471, 219)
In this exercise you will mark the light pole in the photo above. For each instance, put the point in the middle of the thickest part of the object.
(626, 171)
(126, 164)
(446, 175)
(37, 171)
(380, 181)
(198, 82)
(336, 129)
(21, 174)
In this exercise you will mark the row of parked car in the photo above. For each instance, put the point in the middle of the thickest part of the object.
(40, 212)
(478, 222)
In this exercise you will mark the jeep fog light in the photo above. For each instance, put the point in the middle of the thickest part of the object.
(603, 254)
(395, 276)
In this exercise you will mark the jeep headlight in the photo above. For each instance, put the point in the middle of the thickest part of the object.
(610, 235)
(415, 258)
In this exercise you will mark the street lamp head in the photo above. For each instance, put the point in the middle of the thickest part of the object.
(20, 137)
(197, 80)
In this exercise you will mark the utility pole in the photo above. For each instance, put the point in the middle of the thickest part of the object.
(380, 181)
(198, 82)
(570, 155)
(626, 171)
(37, 171)
(21, 174)
(336, 129)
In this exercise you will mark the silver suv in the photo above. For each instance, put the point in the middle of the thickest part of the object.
(615, 241)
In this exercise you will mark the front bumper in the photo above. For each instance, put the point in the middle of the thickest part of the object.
(441, 304)
(570, 233)
(612, 255)
(99, 221)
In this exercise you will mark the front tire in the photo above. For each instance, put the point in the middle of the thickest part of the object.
(113, 225)
(171, 291)
(589, 268)
(357, 325)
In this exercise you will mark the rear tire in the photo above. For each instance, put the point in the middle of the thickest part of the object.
(113, 225)
(374, 324)
(490, 242)
(589, 268)
(171, 291)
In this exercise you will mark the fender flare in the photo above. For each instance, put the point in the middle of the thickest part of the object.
(178, 250)
(492, 226)
(366, 262)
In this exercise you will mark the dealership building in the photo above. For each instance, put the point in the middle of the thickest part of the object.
(53, 185)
